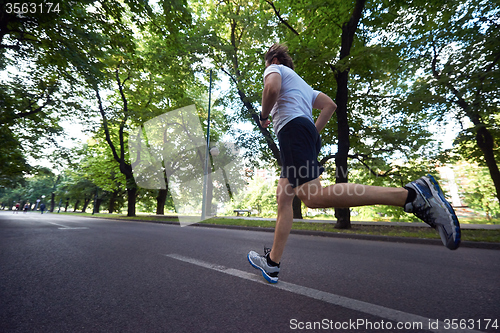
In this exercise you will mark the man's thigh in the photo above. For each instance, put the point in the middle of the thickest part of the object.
(309, 192)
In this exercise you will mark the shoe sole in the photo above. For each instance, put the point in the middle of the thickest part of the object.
(268, 278)
(436, 191)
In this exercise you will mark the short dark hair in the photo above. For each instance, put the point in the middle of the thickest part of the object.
(280, 52)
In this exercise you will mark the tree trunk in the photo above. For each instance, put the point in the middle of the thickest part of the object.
(111, 203)
(297, 208)
(85, 204)
(348, 31)
(52, 202)
(161, 199)
(97, 206)
(76, 205)
(342, 214)
(484, 139)
(485, 142)
(126, 169)
(131, 196)
(131, 200)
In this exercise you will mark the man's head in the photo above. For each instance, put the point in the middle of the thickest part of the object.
(278, 54)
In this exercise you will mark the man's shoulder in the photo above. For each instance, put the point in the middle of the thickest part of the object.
(273, 69)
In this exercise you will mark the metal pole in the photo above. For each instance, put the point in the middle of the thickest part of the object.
(205, 176)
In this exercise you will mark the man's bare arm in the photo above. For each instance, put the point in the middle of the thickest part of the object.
(272, 87)
(327, 107)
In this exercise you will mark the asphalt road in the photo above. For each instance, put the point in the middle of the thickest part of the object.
(72, 274)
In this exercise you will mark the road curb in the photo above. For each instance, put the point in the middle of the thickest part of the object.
(393, 239)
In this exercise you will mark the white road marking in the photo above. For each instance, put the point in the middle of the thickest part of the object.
(345, 302)
(63, 227)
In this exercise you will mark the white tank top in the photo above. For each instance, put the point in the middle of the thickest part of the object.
(295, 99)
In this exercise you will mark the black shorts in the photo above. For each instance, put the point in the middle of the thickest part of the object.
(300, 144)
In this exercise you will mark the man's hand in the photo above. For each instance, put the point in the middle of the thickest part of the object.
(265, 123)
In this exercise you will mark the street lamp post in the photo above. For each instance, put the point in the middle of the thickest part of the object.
(205, 173)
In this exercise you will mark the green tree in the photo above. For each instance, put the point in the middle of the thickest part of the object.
(455, 46)
(41, 185)
(81, 190)
(9, 196)
(147, 75)
(13, 164)
(45, 55)
(40, 53)
(238, 34)
(98, 166)
(260, 194)
(478, 189)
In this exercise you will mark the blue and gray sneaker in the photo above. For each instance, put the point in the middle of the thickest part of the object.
(431, 207)
(270, 273)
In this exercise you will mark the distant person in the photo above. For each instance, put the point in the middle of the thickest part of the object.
(290, 100)
(17, 207)
(42, 207)
(26, 207)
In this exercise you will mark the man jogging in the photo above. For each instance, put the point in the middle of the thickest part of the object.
(290, 100)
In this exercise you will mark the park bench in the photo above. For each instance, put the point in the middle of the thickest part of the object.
(238, 211)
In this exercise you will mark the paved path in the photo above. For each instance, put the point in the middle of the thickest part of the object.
(72, 274)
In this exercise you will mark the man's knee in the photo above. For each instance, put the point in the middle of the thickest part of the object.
(285, 195)
(284, 198)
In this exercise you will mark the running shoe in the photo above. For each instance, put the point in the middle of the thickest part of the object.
(431, 207)
(270, 273)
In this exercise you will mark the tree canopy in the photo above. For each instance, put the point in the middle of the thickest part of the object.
(397, 70)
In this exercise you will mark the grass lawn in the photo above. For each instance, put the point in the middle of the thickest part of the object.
(395, 231)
